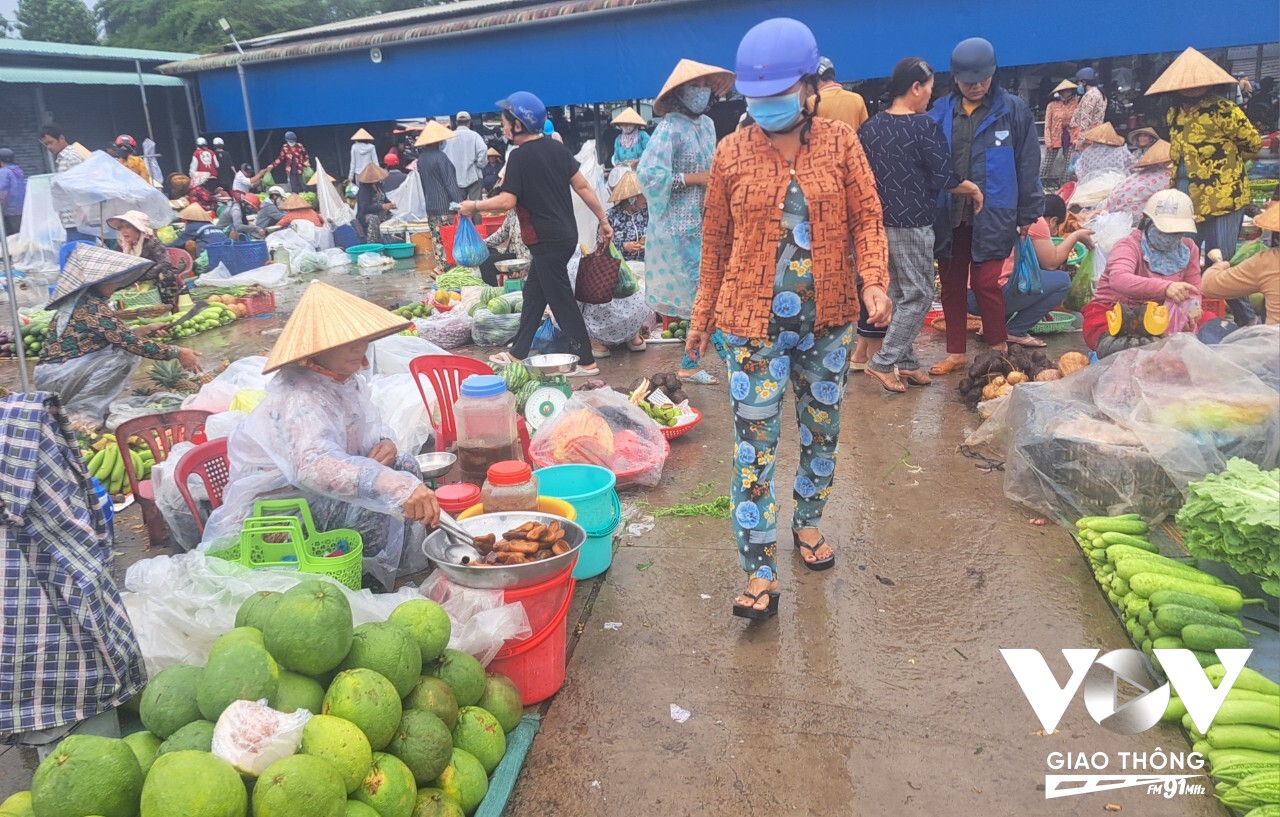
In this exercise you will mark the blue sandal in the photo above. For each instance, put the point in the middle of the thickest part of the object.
(701, 377)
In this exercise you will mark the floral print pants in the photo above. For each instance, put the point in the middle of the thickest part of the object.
(817, 364)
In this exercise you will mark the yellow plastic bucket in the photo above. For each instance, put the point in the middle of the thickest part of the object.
(546, 504)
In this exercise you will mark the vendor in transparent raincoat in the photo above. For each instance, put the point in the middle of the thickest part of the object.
(318, 435)
(89, 354)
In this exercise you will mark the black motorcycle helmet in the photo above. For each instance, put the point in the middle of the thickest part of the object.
(973, 60)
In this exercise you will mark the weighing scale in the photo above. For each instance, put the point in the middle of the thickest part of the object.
(548, 400)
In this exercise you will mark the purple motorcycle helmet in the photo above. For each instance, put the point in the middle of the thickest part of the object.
(774, 55)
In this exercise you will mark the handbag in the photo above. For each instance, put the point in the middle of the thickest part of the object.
(597, 276)
(627, 283)
(1026, 270)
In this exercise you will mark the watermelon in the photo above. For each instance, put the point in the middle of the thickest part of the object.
(471, 313)
(515, 375)
(526, 391)
(499, 307)
(489, 293)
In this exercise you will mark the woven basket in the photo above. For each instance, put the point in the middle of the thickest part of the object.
(135, 296)
(974, 324)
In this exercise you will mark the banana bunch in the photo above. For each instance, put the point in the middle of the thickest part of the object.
(107, 463)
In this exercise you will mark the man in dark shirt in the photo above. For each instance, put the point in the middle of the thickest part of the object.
(537, 184)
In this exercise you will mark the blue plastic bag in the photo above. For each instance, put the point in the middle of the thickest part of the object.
(469, 248)
(1026, 270)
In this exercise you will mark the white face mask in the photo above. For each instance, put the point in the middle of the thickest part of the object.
(696, 98)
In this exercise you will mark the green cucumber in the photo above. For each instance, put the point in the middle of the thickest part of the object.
(1184, 599)
(1085, 521)
(1133, 527)
(1257, 713)
(1174, 617)
(1167, 642)
(1129, 567)
(1244, 736)
(1208, 638)
(1117, 538)
(1226, 597)
(1120, 586)
(1230, 757)
(1249, 679)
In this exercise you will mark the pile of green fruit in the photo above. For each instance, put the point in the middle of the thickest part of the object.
(403, 726)
(1165, 603)
(676, 329)
(107, 466)
(662, 415)
(211, 317)
(33, 337)
(414, 310)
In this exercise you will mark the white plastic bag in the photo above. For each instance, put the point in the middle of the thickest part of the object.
(182, 525)
(317, 238)
(308, 261)
(1095, 191)
(336, 257)
(373, 263)
(1108, 228)
(588, 224)
(410, 202)
(335, 211)
(400, 404)
(221, 425)
(272, 276)
(251, 735)
(290, 240)
(216, 395)
(392, 355)
(42, 235)
(482, 621)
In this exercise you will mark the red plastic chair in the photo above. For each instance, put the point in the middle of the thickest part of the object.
(209, 462)
(181, 262)
(446, 373)
(161, 432)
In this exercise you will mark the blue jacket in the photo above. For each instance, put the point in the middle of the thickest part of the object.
(1006, 166)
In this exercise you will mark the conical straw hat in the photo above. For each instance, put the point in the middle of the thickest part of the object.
(628, 116)
(294, 202)
(686, 71)
(1157, 154)
(372, 175)
(1065, 85)
(327, 318)
(362, 135)
(1190, 70)
(628, 186)
(1268, 219)
(315, 179)
(194, 212)
(433, 133)
(1134, 134)
(88, 265)
(1104, 134)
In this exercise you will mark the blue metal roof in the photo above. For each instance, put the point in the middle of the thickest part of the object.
(628, 53)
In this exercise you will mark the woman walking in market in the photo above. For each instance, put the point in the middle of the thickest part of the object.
(908, 153)
(787, 304)
(1057, 133)
(1210, 139)
(439, 183)
(673, 173)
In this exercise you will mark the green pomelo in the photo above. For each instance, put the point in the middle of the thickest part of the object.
(341, 743)
(145, 746)
(357, 809)
(464, 781)
(87, 774)
(193, 784)
(462, 673)
(257, 609)
(424, 743)
(428, 623)
(435, 696)
(310, 630)
(368, 700)
(388, 788)
(196, 736)
(169, 701)
(502, 700)
(388, 650)
(239, 635)
(17, 805)
(435, 803)
(479, 733)
(298, 692)
(239, 670)
(300, 786)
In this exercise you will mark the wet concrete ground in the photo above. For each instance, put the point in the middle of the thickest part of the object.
(877, 690)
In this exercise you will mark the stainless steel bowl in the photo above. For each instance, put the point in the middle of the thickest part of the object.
(503, 577)
(434, 466)
(511, 265)
(551, 364)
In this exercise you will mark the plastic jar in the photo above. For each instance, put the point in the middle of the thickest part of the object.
(485, 416)
(457, 497)
(511, 486)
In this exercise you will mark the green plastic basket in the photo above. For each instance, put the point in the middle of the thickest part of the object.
(300, 547)
(1078, 252)
(1056, 322)
(135, 296)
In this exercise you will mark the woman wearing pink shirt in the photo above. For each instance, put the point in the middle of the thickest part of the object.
(1157, 262)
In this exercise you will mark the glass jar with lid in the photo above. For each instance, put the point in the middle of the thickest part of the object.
(511, 486)
(485, 417)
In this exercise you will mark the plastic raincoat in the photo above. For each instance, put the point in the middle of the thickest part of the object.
(673, 247)
(310, 437)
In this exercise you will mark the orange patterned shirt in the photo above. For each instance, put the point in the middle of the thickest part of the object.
(742, 223)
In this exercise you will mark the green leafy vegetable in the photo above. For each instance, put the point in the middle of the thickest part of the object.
(1234, 517)
(718, 508)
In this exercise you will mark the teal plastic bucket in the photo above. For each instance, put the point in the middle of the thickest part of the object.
(590, 490)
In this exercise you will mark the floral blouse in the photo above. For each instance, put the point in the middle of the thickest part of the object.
(628, 227)
(1209, 143)
(93, 326)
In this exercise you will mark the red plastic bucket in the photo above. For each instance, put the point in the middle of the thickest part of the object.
(537, 665)
(542, 601)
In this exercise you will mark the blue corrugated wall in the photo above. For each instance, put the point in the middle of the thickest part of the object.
(624, 55)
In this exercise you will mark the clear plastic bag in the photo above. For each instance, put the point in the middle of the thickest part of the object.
(392, 355)
(140, 406)
(448, 330)
(1095, 191)
(1253, 349)
(88, 384)
(272, 276)
(251, 735)
(489, 329)
(100, 188)
(411, 422)
(1108, 228)
(588, 224)
(602, 427)
(469, 248)
(182, 526)
(410, 202)
(216, 395)
(482, 621)
(332, 207)
(222, 424)
(373, 263)
(42, 235)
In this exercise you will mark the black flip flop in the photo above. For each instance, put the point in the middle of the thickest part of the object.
(750, 611)
(819, 564)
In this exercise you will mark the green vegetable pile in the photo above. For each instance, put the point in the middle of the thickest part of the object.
(1234, 517)
(459, 277)
(718, 508)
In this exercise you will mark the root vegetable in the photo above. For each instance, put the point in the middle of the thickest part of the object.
(1048, 375)
(1015, 378)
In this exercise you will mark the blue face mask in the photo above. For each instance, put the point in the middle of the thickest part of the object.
(1080, 90)
(696, 98)
(775, 113)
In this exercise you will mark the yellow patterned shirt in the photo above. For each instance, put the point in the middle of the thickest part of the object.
(1213, 138)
